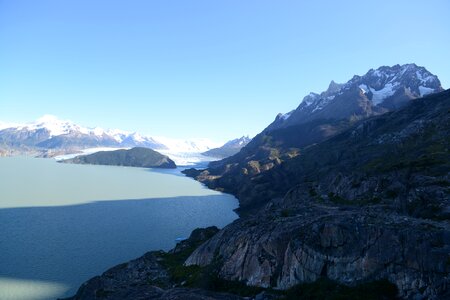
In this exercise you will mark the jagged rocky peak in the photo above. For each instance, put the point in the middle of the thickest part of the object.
(378, 91)
(239, 142)
(333, 87)
(384, 82)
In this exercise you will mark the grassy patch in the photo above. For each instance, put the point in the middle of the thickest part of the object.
(326, 289)
(336, 199)
(286, 213)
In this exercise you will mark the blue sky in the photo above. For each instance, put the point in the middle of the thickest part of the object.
(216, 69)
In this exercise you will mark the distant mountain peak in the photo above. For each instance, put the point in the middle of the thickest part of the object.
(379, 90)
(229, 148)
(333, 87)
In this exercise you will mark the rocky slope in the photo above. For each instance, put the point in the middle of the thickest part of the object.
(346, 244)
(372, 202)
(318, 118)
(135, 157)
(148, 277)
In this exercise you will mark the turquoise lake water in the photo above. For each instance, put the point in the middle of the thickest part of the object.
(61, 224)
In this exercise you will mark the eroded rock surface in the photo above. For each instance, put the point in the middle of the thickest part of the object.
(349, 245)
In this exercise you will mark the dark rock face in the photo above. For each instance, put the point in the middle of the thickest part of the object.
(135, 280)
(347, 245)
(127, 281)
(135, 157)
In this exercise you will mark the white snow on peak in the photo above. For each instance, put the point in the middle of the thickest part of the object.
(379, 96)
(137, 137)
(118, 135)
(425, 90)
(287, 115)
(54, 125)
(377, 73)
(425, 77)
(310, 99)
(363, 88)
(98, 131)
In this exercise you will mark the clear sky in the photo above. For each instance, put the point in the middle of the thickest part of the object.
(215, 69)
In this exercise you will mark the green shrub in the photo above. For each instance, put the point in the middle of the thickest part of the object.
(325, 289)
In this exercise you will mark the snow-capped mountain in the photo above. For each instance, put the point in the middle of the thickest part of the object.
(376, 92)
(229, 148)
(51, 133)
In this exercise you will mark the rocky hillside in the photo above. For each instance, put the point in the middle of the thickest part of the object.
(135, 157)
(318, 118)
(372, 202)
(162, 275)
(364, 214)
(149, 277)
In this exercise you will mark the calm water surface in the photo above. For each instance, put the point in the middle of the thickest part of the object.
(61, 224)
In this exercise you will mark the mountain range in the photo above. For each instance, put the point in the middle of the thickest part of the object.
(376, 92)
(52, 136)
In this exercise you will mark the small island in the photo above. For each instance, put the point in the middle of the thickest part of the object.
(135, 157)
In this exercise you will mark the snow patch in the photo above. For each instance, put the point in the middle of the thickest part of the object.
(310, 99)
(286, 115)
(425, 90)
(98, 131)
(363, 88)
(379, 96)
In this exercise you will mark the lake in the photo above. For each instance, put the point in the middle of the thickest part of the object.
(61, 224)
